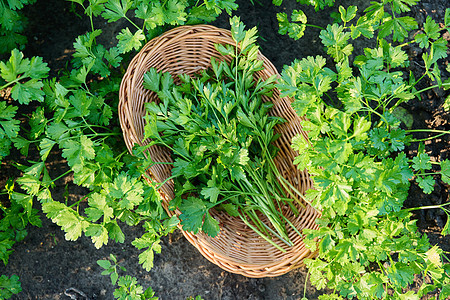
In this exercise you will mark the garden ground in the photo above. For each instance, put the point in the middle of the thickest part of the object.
(47, 264)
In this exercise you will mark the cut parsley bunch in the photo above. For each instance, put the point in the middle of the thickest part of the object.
(221, 135)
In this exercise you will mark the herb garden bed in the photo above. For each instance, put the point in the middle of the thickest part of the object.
(47, 264)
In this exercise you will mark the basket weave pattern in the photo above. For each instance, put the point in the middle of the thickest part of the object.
(237, 248)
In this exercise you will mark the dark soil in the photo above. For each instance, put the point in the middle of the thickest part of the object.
(47, 264)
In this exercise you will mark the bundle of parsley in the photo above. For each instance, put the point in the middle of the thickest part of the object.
(221, 135)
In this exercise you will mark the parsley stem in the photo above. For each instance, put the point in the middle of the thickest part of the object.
(406, 44)
(260, 234)
(255, 194)
(158, 163)
(105, 134)
(252, 214)
(417, 81)
(119, 156)
(287, 242)
(288, 186)
(371, 110)
(314, 26)
(92, 21)
(132, 23)
(306, 281)
(12, 82)
(61, 176)
(442, 132)
(427, 207)
(280, 178)
(265, 205)
(427, 173)
(89, 126)
(429, 138)
(82, 199)
(292, 226)
(432, 87)
(165, 181)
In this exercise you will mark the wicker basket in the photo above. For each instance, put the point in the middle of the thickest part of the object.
(237, 248)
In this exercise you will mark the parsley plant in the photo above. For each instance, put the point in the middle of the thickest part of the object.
(369, 247)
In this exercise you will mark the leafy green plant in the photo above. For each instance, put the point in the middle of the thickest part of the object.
(221, 135)
(447, 100)
(153, 17)
(128, 288)
(111, 265)
(14, 220)
(318, 4)
(385, 17)
(24, 78)
(368, 245)
(12, 24)
(76, 121)
(296, 23)
(80, 128)
(196, 298)
(9, 286)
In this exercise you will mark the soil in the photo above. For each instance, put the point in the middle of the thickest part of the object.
(47, 264)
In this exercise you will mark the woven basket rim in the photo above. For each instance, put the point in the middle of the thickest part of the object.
(187, 49)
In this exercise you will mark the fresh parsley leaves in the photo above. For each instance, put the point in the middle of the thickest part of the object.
(220, 133)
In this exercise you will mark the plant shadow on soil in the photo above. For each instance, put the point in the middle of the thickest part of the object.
(47, 264)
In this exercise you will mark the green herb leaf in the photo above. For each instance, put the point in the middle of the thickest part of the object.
(421, 162)
(129, 41)
(128, 190)
(210, 226)
(399, 27)
(9, 286)
(211, 193)
(65, 217)
(347, 14)
(17, 69)
(294, 29)
(431, 33)
(153, 244)
(46, 146)
(77, 152)
(193, 211)
(401, 274)
(116, 9)
(336, 41)
(426, 183)
(447, 17)
(364, 26)
(9, 126)
(445, 171)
